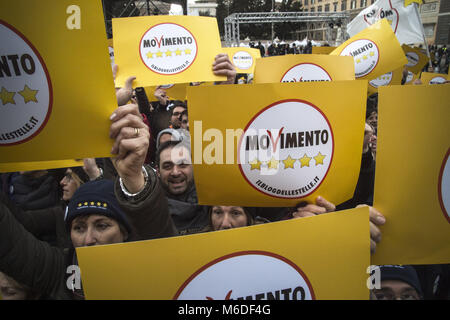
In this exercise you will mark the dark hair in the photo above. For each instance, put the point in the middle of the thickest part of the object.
(167, 145)
(250, 219)
(177, 103)
(372, 104)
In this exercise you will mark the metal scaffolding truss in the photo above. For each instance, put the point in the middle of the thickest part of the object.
(233, 21)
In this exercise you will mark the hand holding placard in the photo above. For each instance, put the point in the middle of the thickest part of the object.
(131, 136)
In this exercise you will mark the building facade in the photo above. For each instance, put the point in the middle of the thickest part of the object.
(434, 15)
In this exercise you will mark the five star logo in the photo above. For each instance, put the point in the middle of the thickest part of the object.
(178, 52)
(159, 54)
(279, 175)
(255, 164)
(358, 60)
(149, 55)
(28, 94)
(305, 161)
(168, 53)
(7, 97)
(289, 162)
(319, 158)
(273, 164)
(365, 57)
(187, 51)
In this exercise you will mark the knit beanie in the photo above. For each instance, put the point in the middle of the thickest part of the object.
(96, 197)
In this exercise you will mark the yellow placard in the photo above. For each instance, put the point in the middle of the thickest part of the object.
(412, 182)
(291, 141)
(416, 59)
(173, 91)
(243, 58)
(303, 68)
(388, 79)
(411, 77)
(39, 165)
(433, 78)
(166, 49)
(238, 263)
(56, 85)
(322, 50)
(375, 51)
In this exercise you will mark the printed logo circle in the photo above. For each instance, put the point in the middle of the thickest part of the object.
(378, 12)
(305, 72)
(286, 149)
(413, 59)
(444, 186)
(383, 80)
(365, 54)
(25, 88)
(168, 48)
(235, 278)
(243, 60)
(409, 77)
(437, 80)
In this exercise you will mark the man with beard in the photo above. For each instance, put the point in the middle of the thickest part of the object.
(174, 168)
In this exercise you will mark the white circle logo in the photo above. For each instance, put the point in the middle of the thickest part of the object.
(234, 277)
(444, 186)
(437, 80)
(305, 72)
(286, 149)
(25, 88)
(413, 59)
(365, 54)
(383, 80)
(168, 48)
(243, 60)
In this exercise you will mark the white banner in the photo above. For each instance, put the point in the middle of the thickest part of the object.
(405, 22)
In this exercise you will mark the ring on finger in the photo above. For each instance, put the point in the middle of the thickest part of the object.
(136, 132)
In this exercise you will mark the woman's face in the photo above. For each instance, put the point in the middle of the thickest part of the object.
(95, 229)
(69, 185)
(224, 217)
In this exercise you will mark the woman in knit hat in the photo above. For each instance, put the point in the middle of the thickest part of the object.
(93, 217)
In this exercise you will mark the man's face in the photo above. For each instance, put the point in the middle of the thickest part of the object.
(396, 290)
(185, 122)
(175, 120)
(175, 170)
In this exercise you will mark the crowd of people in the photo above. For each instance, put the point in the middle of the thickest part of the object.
(277, 48)
(146, 191)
